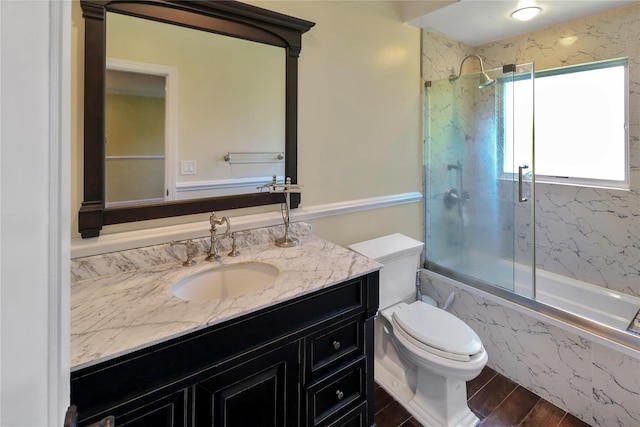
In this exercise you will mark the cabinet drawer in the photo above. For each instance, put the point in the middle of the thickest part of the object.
(340, 390)
(354, 418)
(334, 344)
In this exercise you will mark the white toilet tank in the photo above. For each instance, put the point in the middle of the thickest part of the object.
(400, 256)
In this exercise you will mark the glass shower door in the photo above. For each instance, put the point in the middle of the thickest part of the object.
(519, 166)
(478, 169)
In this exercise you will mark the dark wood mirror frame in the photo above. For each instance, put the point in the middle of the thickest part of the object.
(228, 18)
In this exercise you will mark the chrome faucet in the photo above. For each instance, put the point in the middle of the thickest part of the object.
(234, 246)
(214, 221)
(286, 187)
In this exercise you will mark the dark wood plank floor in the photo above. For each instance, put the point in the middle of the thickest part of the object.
(495, 399)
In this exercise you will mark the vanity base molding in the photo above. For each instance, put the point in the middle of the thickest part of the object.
(303, 362)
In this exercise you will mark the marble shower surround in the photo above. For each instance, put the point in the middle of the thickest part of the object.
(121, 301)
(589, 234)
(595, 383)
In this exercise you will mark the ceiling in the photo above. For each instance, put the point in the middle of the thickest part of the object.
(477, 22)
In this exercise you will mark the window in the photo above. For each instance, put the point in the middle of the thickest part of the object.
(580, 125)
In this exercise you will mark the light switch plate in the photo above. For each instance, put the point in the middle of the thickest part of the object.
(188, 167)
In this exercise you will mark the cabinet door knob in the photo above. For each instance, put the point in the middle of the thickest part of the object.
(336, 345)
(339, 394)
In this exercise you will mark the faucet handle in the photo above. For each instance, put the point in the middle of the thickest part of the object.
(213, 220)
(227, 232)
(234, 248)
(188, 244)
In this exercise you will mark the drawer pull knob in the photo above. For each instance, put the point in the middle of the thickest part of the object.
(339, 394)
(336, 345)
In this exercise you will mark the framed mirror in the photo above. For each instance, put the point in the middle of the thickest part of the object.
(250, 121)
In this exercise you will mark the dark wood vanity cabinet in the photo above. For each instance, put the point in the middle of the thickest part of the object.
(260, 392)
(304, 362)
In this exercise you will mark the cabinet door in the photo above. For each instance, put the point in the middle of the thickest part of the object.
(262, 392)
(167, 411)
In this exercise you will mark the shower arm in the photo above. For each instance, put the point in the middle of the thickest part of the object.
(454, 77)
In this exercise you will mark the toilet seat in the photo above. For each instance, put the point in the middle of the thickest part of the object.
(435, 331)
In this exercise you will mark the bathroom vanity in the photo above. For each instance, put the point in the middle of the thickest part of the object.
(297, 353)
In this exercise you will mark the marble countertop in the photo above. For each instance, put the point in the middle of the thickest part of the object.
(114, 314)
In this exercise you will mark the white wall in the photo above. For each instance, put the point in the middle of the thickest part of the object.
(34, 379)
(360, 109)
(367, 113)
(359, 121)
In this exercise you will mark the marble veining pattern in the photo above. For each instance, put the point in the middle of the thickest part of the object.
(589, 234)
(135, 259)
(595, 383)
(616, 388)
(536, 355)
(128, 309)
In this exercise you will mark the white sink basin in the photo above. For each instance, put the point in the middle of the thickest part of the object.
(225, 282)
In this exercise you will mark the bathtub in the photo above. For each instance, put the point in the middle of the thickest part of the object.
(609, 308)
(569, 303)
(571, 346)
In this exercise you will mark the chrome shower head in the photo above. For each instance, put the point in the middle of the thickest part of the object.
(485, 80)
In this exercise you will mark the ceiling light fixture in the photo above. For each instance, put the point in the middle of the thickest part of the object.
(526, 13)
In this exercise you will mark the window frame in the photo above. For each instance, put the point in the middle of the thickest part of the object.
(568, 180)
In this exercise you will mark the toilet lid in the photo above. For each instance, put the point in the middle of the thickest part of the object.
(438, 328)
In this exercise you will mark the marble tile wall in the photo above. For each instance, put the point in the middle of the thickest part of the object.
(461, 137)
(449, 137)
(589, 234)
(597, 384)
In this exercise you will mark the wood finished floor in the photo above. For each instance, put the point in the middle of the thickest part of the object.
(495, 399)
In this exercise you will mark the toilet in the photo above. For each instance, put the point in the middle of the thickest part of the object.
(423, 355)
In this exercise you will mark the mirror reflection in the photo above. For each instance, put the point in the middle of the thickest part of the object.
(134, 137)
(178, 102)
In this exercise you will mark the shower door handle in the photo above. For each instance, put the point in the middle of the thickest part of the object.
(521, 198)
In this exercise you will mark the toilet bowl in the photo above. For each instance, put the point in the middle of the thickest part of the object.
(445, 354)
(423, 355)
(451, 347)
